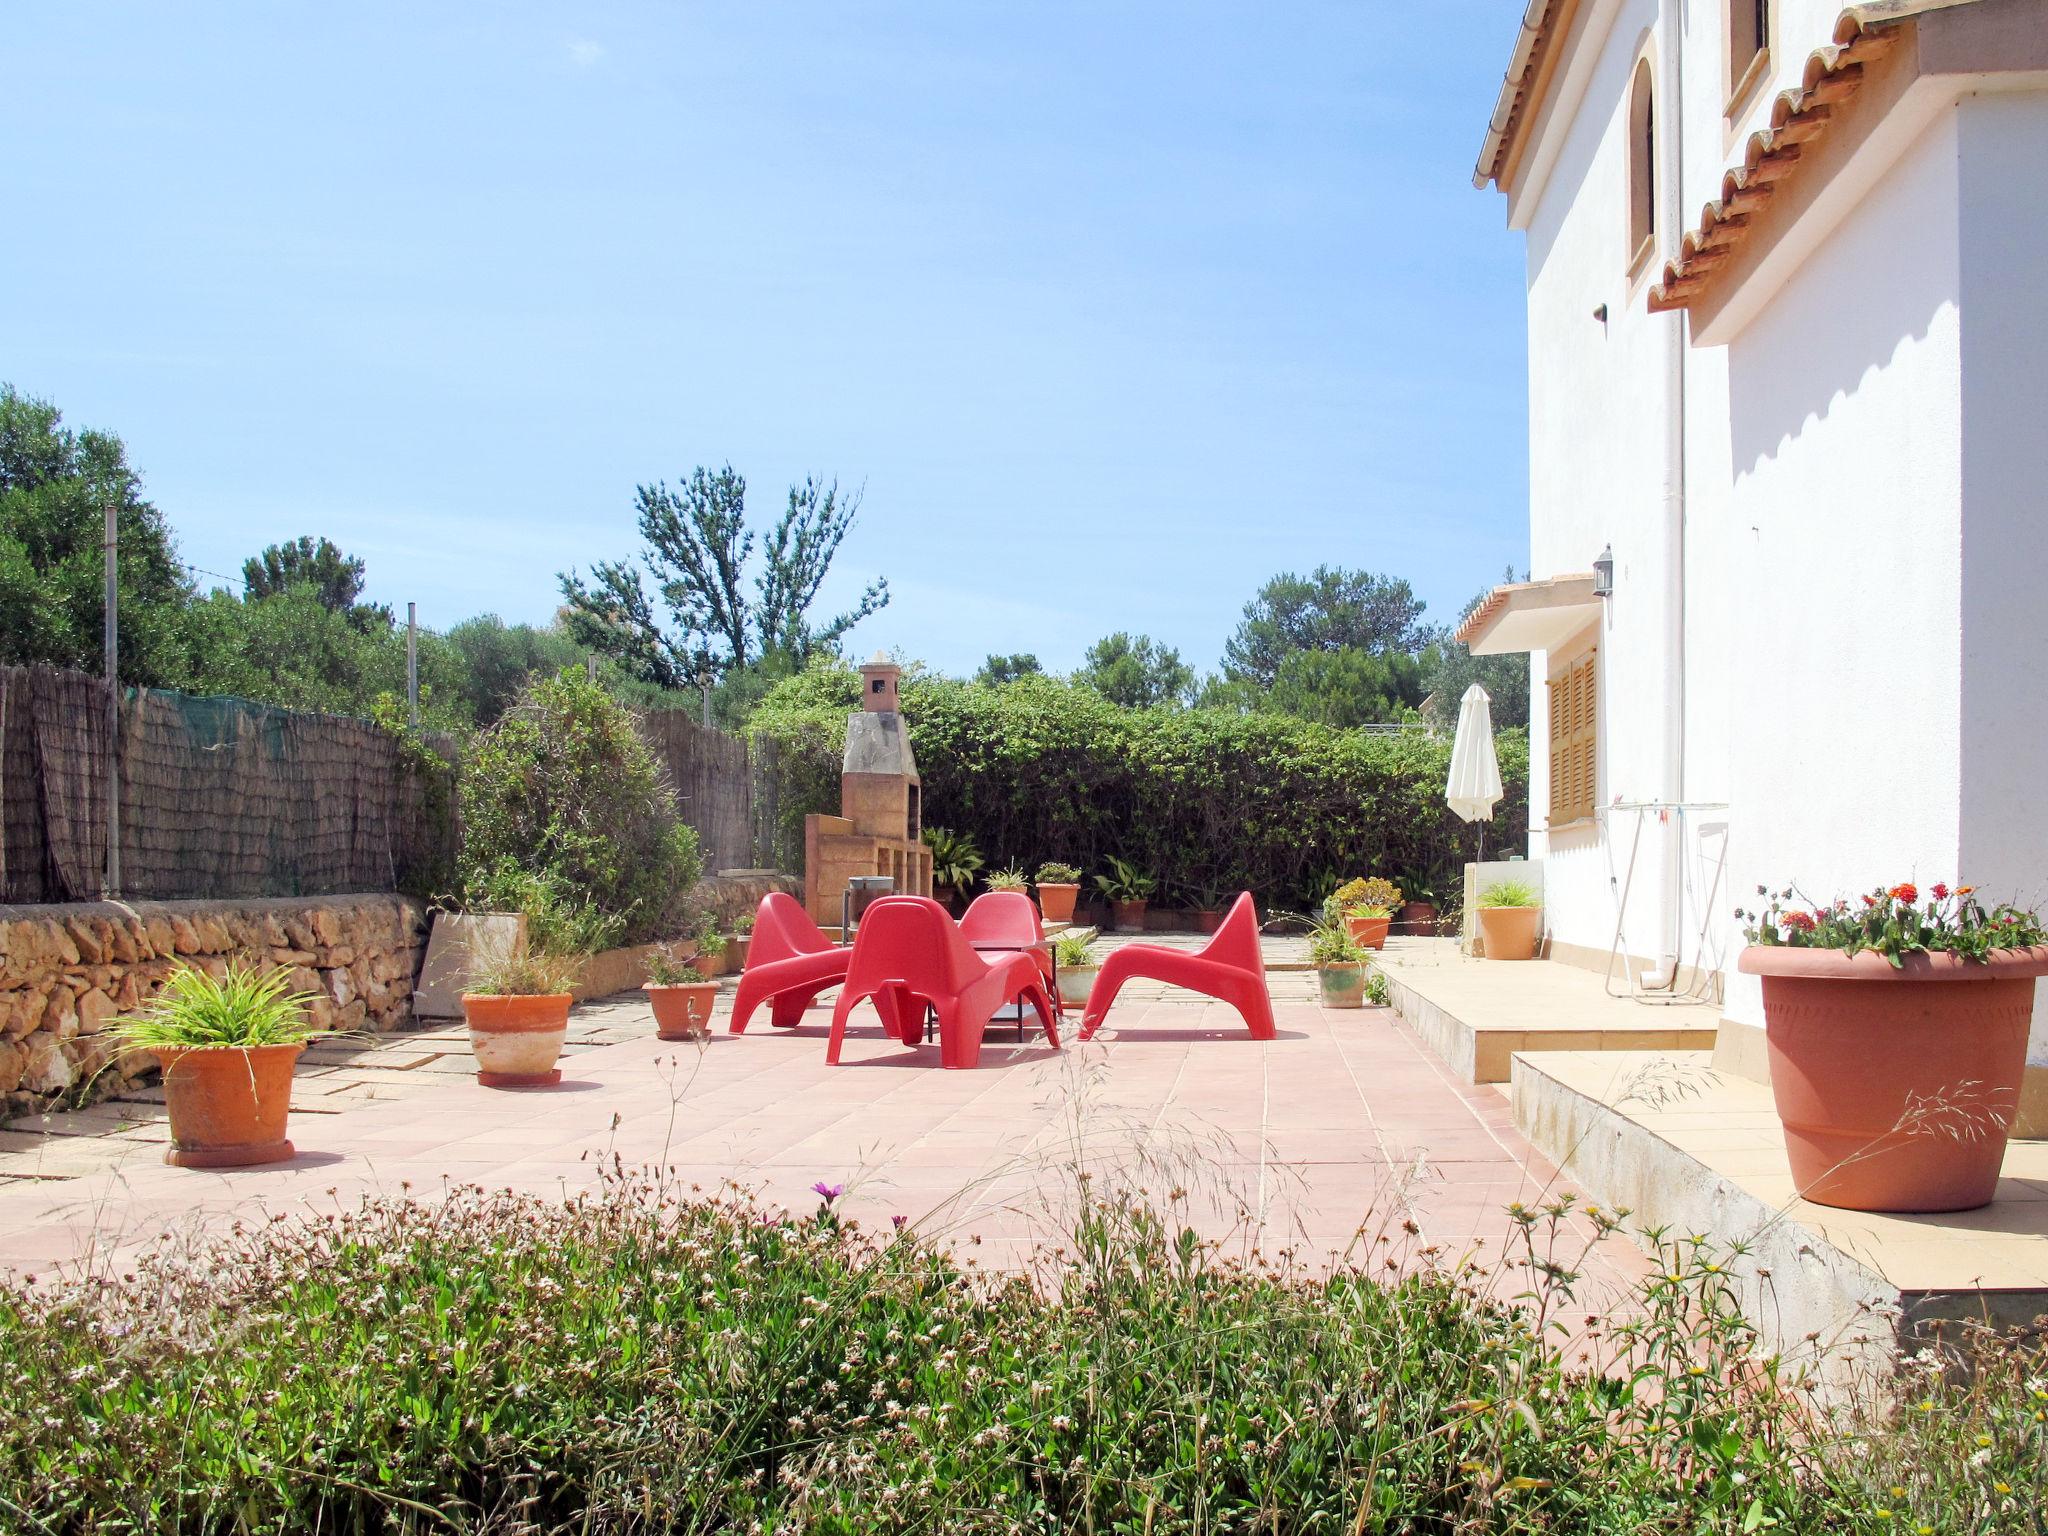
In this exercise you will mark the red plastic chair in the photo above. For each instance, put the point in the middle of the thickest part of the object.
(1228, 968)
(789, 962)
(1000, 920)
(911, 955)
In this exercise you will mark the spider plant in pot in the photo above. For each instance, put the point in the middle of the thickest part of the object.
(681, 995)
(1510, 920)
(955, 863)
(1128, 888)
(518, 1013)
(1075, 962)
(742, 938)
(1211, 898)
(1058, 887)
(1339, 963)
(227, 1046)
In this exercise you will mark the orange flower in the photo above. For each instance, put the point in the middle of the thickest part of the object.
(1907, 893)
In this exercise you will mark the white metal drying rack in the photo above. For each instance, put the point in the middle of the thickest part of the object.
(1701, 990)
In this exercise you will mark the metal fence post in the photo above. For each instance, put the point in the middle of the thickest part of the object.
(412, 665)
(111, 639)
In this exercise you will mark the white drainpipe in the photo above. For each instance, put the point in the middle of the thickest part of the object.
(1671, 215)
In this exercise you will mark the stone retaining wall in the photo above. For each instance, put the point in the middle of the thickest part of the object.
(66, 972)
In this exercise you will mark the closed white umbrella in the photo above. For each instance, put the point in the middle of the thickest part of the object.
(1474, 788)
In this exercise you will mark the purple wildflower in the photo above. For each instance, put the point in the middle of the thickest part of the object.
(828, 1192)
(899, 1222)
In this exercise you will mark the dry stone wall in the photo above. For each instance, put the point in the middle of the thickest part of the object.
(67, 972)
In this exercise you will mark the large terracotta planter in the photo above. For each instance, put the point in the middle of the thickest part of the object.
(228, 1104)
(1510, 933)
(1130, 915)
(682, 1011)
(1897, 1087)
(517, 1040)
(1056, 901)
(1341, 986)
(1369, 932)
(1417, 917)
(1075, 982)
(1207, 921)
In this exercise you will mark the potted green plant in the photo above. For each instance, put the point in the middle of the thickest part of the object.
(1011, 879)
(1211, 898)
(1127, 889)
(681, 995)
(1897, 1038)
(1367, 907)
(712, 946)
(1075, 961)
(517, 1008)
(227, 1046)
(955, 863)
(1339, 963)
(742, 940)
(1059, 885)
(1510, 920)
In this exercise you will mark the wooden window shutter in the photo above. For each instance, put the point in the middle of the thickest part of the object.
(1574, 736)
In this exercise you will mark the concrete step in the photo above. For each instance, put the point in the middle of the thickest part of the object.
(1476, 1014)
(1691, 1150)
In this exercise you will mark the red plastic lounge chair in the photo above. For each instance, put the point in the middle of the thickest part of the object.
(1000, 920)
(1228, 968)
(788, 964)
(910, 955)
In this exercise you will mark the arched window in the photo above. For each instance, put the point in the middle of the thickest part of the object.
(1749, 35)
(1642, 166)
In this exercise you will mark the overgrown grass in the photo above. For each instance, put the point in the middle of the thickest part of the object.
(660, 1360)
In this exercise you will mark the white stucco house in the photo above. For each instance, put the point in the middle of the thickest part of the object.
(1788, 362)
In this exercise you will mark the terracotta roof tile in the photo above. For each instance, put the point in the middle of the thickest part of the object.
(1832, 76)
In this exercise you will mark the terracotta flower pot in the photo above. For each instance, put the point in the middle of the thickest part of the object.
(1369, 932)
(1417, 917)
(1510, 933)
(1897, 1088)
(1056, 901)
(1207, 921)
(1130, 915)
(1342, 986)
(228, 1104)
(517, 1040)
(736, 952)
(682, 1012)
(1075, 982)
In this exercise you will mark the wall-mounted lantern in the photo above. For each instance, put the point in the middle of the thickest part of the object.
(1603, 573)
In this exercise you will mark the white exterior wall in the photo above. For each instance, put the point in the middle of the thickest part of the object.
(1597, 463)
(1846, 435)
(1866, 485)
(2002, 143)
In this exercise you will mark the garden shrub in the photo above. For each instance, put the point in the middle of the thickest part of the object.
(567, 816)
(1207, 800)
(646, 1360)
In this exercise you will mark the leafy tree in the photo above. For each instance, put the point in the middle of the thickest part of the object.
(1331, 609)
(565, 808)
(1448, 669)
(698, 553)
(499, 659)
(55, 487)
(1137, 672)
(292, 649)
(336, 578)
(1340, 688)
(1007, 669)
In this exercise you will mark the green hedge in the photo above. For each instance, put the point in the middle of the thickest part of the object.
(1204, 799)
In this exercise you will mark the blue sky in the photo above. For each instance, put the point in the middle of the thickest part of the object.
(1115, 309)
